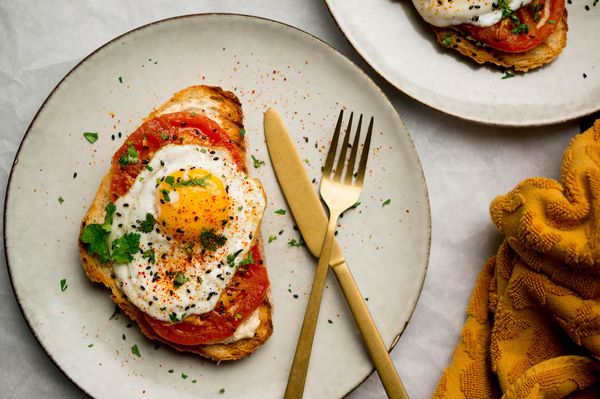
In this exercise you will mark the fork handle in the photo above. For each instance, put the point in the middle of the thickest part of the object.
(297, 378)
(377, 350)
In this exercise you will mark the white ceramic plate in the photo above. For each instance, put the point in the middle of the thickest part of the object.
(266, 64)
(392, 37)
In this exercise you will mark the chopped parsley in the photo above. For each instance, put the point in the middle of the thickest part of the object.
(242, 132)
(257, 162)
(307, 161)
(386, 202)
(238, 316)
(149, 168)
(91, 137)
(192, 114)
(536, 12)
(135, 350)
(124, 247)
(165, 194)
(447, 40)
(293, 243)
(355, 205)
(148, 224)
(210, 240)
(280, 211)
(61, 200)
(194, 381)
(222, 390)
(184, 376)
(63, 285)
(173, 317)
(120, 79)
(130, 157)
(507, 75)
(248, 261)
(90, 345)
(150, 255)
(272, 238)
(180, 279)
(170, 180)
(164, 136)
(551, 21)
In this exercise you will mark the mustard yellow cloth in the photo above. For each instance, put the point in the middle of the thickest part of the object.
(533, 321)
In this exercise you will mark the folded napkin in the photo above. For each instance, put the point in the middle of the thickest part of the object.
(533, 321)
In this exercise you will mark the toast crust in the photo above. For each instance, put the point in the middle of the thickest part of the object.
(544, 53)
(231, 113)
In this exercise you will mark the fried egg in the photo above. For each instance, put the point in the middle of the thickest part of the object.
(198, 218)
(444, 13)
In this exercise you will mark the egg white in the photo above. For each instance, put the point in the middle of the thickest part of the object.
(207, 279)
(444, 13)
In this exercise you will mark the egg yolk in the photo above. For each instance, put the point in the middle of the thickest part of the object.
(191, 201)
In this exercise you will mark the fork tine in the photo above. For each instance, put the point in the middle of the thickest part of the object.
(364, 156)
(333, 146)
(340, 165)
(350, 170)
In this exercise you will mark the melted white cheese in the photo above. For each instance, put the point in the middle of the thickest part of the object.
(443, 13)
(245, 330)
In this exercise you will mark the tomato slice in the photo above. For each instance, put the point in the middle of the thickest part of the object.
(508, 37)
(244, 294)
(176, 128)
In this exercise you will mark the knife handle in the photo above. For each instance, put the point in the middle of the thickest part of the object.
(377, 350)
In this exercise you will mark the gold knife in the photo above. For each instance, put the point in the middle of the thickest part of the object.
(311, 220)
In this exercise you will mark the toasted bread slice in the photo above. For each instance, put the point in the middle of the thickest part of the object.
(223, 107)
(545, 52)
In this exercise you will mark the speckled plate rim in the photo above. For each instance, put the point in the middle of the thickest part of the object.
(381, 73)
(166, 20)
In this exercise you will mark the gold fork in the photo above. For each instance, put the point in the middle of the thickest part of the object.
(339, 195)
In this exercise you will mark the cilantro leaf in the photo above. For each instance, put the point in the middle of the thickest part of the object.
(272, 238)
(293, 243)
(248, 261)
(280, 211)
(135, 350)
(108, 218)
(63, 285)
(386, 202)
(447, 40)
(199, 181)
(96, 238)
(147, 225)
(115, 313)
(231, 257)
(91, 137)
(180, 279)
(165, 194)
(124, 247)
(170, 180)
(130, 157)
(257, 162)
(210, 240)
(150, 255)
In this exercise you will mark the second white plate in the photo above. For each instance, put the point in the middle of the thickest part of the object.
(391, 36)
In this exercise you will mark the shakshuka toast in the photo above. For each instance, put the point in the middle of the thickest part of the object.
(174, 229)
(518, 34)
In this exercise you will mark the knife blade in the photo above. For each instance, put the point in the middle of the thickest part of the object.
(301, 197)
